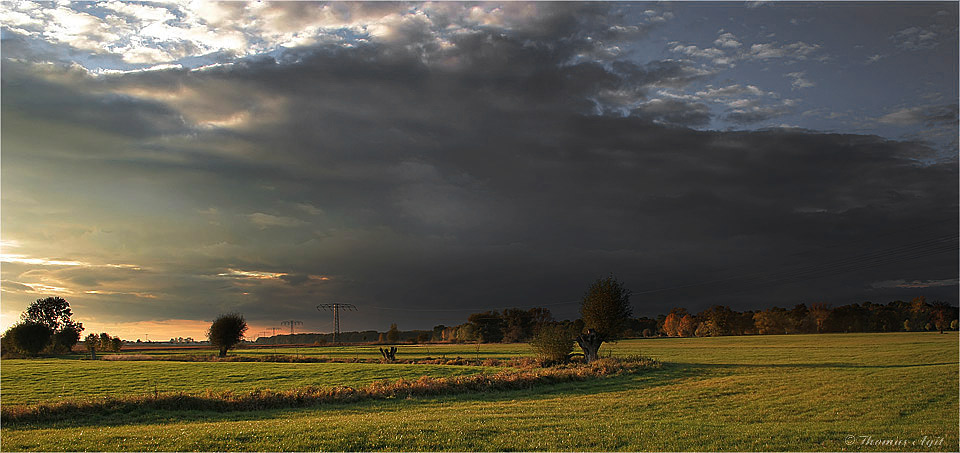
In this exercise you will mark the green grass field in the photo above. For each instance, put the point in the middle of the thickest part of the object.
(843, 392)
(47, 380)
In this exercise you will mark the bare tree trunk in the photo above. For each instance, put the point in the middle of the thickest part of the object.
(389, 354)
(223, 351)
(590, 343)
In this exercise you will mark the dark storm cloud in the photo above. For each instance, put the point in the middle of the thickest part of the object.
(477, 175)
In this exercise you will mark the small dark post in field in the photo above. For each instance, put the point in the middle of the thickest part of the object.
(389, 354)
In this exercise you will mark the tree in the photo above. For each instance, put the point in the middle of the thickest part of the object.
(116, 344)
(820, 312)
(29, 338)
(604, 310)
(437, 335)
(53, 312)
(671, 325)
(488, 326)
(941, 315)
(552, 343)
(65, 339)
(393, 335)
(92, 342)
(227, 331)
(517, 325)
(688, 326)
(708, 328)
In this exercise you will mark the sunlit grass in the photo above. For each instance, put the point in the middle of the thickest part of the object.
(803, 392)
(24, 381)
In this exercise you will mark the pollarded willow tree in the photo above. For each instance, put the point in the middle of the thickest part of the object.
(605, 311)
(227, 331)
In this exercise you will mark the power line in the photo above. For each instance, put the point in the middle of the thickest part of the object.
(291, 323)
(335, 307)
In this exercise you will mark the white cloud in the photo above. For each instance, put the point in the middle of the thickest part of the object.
(798, 50)
(727, 40)
(915, 38)
(799, 80)
(266, 220)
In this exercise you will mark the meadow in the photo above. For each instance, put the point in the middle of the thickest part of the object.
(834, 392)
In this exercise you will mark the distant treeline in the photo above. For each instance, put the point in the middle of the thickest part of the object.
(366, 336)
(516, 325)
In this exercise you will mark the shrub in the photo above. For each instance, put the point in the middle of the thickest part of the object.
(552, 343)
(954, 324)
(29, 338)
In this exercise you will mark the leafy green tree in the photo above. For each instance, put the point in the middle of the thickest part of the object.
(517, 325)
(53, 312)
(29, 338)
(65, 339)
(393, 335)
(227, 331)
(552, 343)
(488, 326)
(92, 342)
(605, 310)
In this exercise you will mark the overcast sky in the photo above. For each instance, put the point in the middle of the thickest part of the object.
(164, 163)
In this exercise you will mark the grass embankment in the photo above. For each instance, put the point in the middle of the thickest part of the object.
(796, 393)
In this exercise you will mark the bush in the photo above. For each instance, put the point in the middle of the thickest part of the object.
(552, 343)
(954, 324)
(29, 338)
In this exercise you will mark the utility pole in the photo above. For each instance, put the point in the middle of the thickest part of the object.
(336, 316)
(291, 323)
(274, 330)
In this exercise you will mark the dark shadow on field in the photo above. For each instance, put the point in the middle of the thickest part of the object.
(668, 374)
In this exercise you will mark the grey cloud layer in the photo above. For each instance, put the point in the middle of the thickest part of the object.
(498, 171)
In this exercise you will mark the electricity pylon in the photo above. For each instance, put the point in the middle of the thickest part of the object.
(336, 315)
(291, 323)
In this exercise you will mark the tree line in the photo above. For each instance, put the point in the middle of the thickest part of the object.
(47, 327)
(515, 325)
